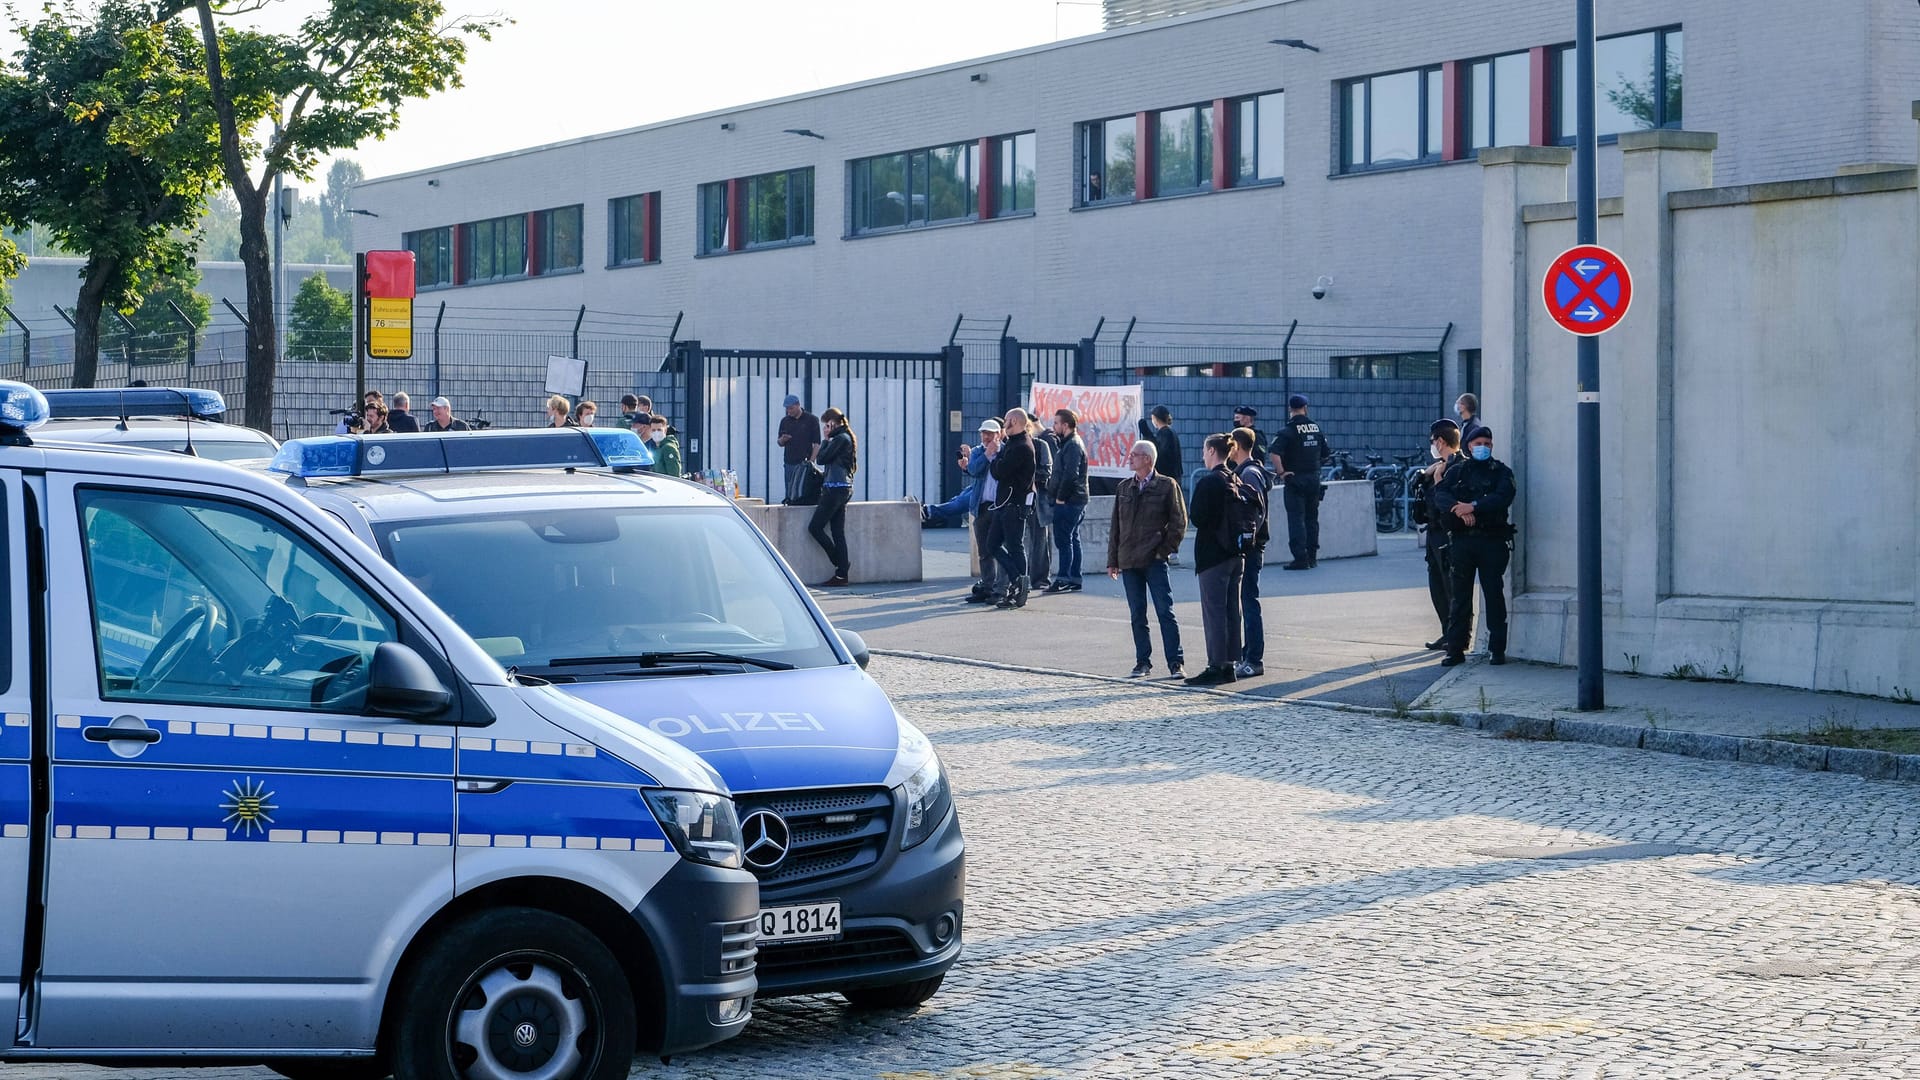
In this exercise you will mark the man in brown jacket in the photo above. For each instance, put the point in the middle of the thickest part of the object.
(1149, 522)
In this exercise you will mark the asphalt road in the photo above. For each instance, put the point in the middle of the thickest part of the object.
(1167, 883)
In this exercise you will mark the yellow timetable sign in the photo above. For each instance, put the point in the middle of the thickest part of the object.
(390, 328)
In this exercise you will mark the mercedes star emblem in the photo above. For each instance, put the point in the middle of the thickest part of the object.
(766, 836)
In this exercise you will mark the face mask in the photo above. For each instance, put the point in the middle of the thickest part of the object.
(1434, 449)
(1482, 452)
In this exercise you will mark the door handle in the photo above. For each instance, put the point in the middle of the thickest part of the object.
(109, 733)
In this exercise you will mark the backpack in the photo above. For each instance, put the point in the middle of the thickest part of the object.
(1242, 517)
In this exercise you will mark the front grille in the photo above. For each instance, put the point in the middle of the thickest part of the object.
(858, 947)
(818, 848)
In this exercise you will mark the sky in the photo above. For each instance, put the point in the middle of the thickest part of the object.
(568, 68)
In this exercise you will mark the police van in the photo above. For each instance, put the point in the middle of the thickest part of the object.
(261, 800)
(181, 419)
(660, 601)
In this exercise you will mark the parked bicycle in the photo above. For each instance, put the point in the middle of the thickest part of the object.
(1389, 494)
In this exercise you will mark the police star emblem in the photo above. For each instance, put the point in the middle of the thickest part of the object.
(248, 806)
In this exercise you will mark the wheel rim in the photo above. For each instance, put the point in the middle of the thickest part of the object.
(524, 1018)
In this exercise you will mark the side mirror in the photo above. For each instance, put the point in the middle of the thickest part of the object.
(856, 645)
(400, 684)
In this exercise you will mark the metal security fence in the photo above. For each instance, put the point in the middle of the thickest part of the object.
(897, 403)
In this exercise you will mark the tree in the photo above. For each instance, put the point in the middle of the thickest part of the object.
(339, 80)
(158, 334)
(11, 263)
(336, 204)
(320, 326)
(107, 139)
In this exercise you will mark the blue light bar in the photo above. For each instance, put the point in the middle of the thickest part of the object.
(392, 455)
(22, 408)
(136, 401)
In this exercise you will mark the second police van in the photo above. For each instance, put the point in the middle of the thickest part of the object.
(261, 800)
(659, 600)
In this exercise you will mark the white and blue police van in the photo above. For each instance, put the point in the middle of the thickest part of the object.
(261, 800)
(184, 420)
(659, 600)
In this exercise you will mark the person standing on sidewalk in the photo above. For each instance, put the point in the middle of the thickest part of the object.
(840, 458)
(1217, 565)
(1245, 417)
(1476, 494)
(1149, 522)
(1244, 456)
(1468, 408)
(1040, 517)
(1444, 446)
(1298, 454)
(986, 491)
(1068, 499)
(1006, 537)
(799, 445)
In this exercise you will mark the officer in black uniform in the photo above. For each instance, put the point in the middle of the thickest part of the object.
(1299, 450)
(1245, 416)
(1444, 444)
(1475, 496)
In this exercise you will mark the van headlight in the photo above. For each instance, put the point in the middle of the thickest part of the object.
(927, 798)
(703, 826)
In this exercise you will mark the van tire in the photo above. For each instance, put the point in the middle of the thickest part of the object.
(555, 990)
(897, 996)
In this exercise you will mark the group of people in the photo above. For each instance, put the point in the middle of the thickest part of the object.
(1462, 503)
(1027, 491)
(376, 417)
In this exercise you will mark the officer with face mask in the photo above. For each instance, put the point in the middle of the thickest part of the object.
(1474, 496)
(1444, 446)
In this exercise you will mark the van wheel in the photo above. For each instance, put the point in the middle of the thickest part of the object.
(516, 994)
(897, 996)
(317, 1069)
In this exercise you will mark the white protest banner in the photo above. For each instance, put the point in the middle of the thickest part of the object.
(1109, 421)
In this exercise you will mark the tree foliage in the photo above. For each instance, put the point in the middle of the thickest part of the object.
(320, 326)
(159, 335)
(107, 139)
(334, 83)
(337, 203)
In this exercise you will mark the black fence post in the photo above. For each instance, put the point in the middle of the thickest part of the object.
(26, 339)
(437, 320)
(578, 319)
(953, 376)
(1086, 371)
(192, 334)
(1286, 348)
(1009, 372)
(693, 376)
(126, 343)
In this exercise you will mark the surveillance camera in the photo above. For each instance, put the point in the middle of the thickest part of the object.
(1319, 292)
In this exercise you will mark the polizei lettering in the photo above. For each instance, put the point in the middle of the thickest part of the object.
(679, 727)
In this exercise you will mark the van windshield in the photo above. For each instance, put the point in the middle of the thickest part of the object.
(608, 582)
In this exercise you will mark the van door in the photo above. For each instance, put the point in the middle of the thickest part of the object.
(236, 851)
(16, 734)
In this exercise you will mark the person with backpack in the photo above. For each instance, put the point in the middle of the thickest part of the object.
(1244, 456)
(1226, 524)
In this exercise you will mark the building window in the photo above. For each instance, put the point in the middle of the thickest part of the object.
(713, 217)
(432, 256)
(494, 249)
(1183, 145)
(1636, 79)
(1259, 138)
(560, 239)
(779, 207)
(1423, 365)
(632, 224)
(1391, 120)
(1107, 152)
(1016, 174)
(1499, 101)
(921, 187)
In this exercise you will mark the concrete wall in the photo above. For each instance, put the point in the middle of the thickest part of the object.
(1757, 419)
(883, 540)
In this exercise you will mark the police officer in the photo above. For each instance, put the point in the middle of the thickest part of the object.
(1444, 445)
(1298, 453)
(1475, 495)
(1245, 416)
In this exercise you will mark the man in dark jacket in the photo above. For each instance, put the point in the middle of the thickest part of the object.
(1245, 416)
(1149, 522)
(1167, 443)
(1299, 452)
(1244, 457)
(1476, 495)
(1067, 498)
(1006, 533)
(401, 419)
(1468, 408)
(1040, 518)
(1444, 446)
(1217, 567)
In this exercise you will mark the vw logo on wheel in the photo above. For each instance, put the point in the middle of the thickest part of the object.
(766, 836)
(525, 1034)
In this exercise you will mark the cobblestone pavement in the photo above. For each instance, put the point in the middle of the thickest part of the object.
(1174, 884)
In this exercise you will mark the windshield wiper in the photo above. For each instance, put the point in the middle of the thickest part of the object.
(672, 657)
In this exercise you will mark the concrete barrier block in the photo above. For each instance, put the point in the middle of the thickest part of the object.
(1593, 731)
(883, 540)
(1791, 755)
(1910, 768)
(1693, 744)
(1872, 764)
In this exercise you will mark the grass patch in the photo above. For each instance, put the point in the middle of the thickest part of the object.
(1892, 740)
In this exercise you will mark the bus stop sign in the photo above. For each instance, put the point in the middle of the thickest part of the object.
(389, 291)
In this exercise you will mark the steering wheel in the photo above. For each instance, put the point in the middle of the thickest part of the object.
(190, 632)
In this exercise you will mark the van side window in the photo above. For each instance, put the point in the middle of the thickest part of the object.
(205, 602)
